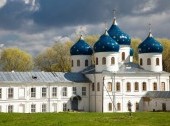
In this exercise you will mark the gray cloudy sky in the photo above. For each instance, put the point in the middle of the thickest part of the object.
(33, 25)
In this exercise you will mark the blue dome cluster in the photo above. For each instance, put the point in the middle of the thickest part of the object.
(81, 48)
(131, 52)
(118, 35)
(106, 44)
(150, 45)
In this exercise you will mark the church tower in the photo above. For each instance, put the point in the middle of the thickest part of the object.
(81, 54)
(150, 54)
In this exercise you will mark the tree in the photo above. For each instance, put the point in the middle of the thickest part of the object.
(15, 59)
(56, 58)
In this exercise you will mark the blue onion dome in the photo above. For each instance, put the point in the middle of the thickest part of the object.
(81, 48)
(118, 35)
(131, 52)
(106, 44)
(150, 45)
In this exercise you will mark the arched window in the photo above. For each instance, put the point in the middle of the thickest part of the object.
(78, 63)
(144, 88)
(86, 63)
(96, 61)
(128, 87)
(112, 61)
(154, 86)
(103, 60)
(110, 106)
(136, 86)
(141, 62)
(72, 63)
(98, 86)
(123, 56)
(118, 106)
(148, 61)
(157, 61)
(93, 87)
(118, 86)
(109, 86)
(137, 106)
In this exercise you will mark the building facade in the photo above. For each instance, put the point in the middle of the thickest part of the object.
(107, 85)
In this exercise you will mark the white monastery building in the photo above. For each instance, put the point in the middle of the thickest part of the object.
(113, 83)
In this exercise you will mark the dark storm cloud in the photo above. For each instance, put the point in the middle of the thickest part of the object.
(62, 13)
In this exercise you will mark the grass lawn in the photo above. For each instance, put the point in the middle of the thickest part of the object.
(86, 119)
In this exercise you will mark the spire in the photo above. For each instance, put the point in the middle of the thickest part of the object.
(150, 33)
(106, 33)
(114, 17)
(81, 37)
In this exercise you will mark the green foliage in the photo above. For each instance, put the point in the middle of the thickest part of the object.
(56, 58)
(15, 59)
(86, 119)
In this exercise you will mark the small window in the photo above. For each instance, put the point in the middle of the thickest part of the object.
(109, 86)
(72, 63)
(54, 92)
(110, 106)
(10, 108)
(33, 108)
(112, 61)
(64, 91)
(0, 92)
(148, 61)
(84, 91)
(74, 90)
(86, 62)
(44, 92)
(33, 92)
(118, 106)
(128, 87)
(78, 63)
(162, 86)
(44, 108)
(98, 86)
(155, 86)
(64, 106)
(97, 61)
(157, 61)
(144, 88)
(118, 86)
(10, 92)
(123, 56)
(103, 60)
(137, 106)
(141, 62)
(93, 87)
(136, 86)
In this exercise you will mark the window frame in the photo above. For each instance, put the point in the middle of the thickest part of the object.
(97, 61)
(136, 86)
(74, 90)
(10, 108)
(110, 107)
(144, 86)
(123, 56)
(155, 86)
(33, 108)
(78, 63)
(43, 92)
(118, 86)
(157, 62)
(84, 90)
(10, 93)
(98, 86)
(141, 61)
(64, 90)
(33, 92)
(54, 92)
(64, 107)
(44, 107)
(0, 93)
(118, 106)
(109, 86)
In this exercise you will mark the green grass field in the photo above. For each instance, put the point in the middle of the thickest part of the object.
(86, 119)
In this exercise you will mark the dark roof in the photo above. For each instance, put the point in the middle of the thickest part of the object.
(158, 94)
(36, 77)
